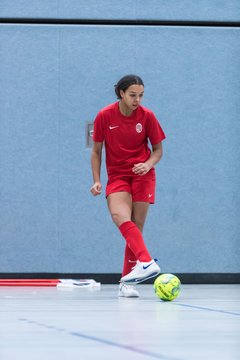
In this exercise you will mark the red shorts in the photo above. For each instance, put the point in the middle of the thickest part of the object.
(142, 188)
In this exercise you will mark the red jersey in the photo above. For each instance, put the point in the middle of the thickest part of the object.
(126, 137)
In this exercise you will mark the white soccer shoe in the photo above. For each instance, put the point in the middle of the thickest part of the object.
(141, 272)
(127, 291)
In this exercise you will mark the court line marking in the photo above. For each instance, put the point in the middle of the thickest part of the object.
(101, 340)
(208, 309)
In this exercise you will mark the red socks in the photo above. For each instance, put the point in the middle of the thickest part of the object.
(129, 261)
(135, 247)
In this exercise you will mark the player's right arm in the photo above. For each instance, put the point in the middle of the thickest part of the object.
(96, 160)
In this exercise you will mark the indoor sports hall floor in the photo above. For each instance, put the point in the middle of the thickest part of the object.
(49, 323)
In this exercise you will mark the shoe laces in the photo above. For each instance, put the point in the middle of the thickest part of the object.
(138, 263)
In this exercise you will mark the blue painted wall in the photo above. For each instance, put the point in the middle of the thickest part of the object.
(214, 10)
(53, 81)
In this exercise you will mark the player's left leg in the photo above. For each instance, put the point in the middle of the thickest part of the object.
(139, 213)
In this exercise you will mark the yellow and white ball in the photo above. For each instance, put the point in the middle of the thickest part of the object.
(167, 287)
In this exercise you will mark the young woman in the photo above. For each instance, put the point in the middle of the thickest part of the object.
(126, 127)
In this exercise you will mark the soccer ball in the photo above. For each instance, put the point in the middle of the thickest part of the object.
(167, 287)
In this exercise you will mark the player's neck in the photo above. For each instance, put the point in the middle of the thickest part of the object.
(124, 110)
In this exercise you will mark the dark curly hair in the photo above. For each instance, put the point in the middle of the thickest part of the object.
(126, 81)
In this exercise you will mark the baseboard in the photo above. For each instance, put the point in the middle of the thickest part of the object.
(107, 278)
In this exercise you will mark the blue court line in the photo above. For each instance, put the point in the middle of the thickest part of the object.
(101, 341)
(207, 309)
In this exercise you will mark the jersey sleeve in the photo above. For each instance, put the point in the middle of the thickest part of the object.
(154, 131)
(98, 129)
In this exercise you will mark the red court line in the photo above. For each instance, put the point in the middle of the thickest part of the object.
(29, 282)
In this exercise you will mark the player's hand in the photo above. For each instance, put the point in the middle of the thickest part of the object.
(96, 189)
(141, 168)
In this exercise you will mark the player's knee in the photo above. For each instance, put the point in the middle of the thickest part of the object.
(119, 219)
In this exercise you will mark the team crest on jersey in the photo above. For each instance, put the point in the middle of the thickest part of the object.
(139, 128)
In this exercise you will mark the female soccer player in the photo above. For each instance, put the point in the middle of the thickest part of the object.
(125, 127)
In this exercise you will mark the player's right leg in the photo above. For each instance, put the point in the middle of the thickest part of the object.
(139, 214)
(141, 189)
(120, 208)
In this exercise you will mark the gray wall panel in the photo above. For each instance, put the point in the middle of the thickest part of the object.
(214, 10)
(54, 79)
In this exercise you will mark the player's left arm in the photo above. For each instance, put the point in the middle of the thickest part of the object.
(155, 157)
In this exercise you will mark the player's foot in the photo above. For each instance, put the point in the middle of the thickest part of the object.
(127, 291)
(141, 272)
